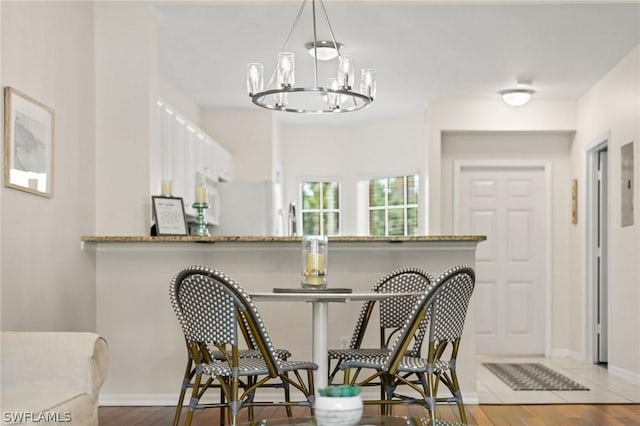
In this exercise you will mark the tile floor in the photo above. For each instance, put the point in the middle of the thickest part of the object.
(603, 386)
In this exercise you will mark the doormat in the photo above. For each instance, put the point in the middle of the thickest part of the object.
(532, 376)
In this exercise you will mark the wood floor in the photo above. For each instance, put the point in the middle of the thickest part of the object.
(557, 414)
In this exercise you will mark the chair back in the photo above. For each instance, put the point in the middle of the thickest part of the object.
(395, 310)
(451, 284)
(210, 305)
(449, 309)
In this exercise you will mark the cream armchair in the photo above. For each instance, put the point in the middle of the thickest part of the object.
(51, 377)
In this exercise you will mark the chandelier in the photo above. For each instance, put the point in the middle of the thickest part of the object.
(336, 96)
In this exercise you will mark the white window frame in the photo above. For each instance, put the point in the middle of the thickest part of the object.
(404, 206)
(320, 211)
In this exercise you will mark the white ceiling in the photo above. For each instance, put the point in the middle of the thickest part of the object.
(422, 50)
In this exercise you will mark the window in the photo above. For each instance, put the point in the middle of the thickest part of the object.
(320, 208)
(393, 206)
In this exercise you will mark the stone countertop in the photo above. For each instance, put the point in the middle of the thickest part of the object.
(258, 238)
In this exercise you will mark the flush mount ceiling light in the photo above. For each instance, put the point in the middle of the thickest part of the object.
(338, 95)
(326, 50)
(516, 97)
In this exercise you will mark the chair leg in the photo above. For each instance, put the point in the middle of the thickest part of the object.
(193, 403)
(223, 406)
(234, 404)
(430, 397)
(287, 396)
(458, 395)
(186, 382)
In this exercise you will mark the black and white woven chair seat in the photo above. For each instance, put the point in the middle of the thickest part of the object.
(215, 313)
(393, 314)
(251, 367)
(346, 354)
(250, 353)
(408, 364)
(445, 306)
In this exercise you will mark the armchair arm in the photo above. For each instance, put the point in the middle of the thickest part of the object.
(76, 360)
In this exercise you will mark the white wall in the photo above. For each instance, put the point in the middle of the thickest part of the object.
(490, 116)
(47, 282)
(178, 100)
(126, 90)
(247, 135)
(612, 105)
(350, 153)
(552, 147)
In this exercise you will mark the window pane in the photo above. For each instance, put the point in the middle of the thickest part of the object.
(412, 189)
(330, 195)
(412, 221)
(376, 223)
(396, 222)
(331, 223)
(311, 195)
(311, 223)
(396, 191)
(376, 192)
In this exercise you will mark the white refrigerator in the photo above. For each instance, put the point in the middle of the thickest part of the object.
(249, 208)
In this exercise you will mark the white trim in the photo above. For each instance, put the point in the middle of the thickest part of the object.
(299, 208)
(627, 375)
(588, 299)
(566, 353)
(170, 399)
(546, 166)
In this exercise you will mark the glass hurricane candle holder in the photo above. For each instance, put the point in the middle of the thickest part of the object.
(314, 261)
(346, 72)
(286, 69)
(255, 78)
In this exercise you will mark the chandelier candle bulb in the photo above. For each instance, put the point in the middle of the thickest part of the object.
(286, 69)
(333, 101)
(201, 195)
(255, 78)
(346, 73)
(167, 188)
(368, 82)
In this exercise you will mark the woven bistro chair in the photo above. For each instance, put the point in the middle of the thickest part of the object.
(447, 303)
(211, 308)
(190, 371)
(393, 314)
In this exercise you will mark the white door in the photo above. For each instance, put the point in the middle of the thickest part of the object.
(507, 204)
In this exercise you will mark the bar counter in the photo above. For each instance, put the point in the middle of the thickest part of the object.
(260, 238)
(147, 354)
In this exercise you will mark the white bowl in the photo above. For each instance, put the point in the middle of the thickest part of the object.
(338, 411)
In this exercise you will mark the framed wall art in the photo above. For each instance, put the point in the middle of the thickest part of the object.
(574, 201)
(29, 128)
(626, 192)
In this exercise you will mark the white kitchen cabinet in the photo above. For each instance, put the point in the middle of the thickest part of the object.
(188, 157)
(222, 161)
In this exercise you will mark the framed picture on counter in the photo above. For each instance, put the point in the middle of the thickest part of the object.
(168, 213)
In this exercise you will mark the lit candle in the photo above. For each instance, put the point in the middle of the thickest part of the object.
(315, 268)
(286, 69)
(346, 71)
(167, 187)
(201, 194)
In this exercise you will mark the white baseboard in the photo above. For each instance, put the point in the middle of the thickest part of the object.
(170, 400)
(624, 374)
(133, 399)
(566, 353)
